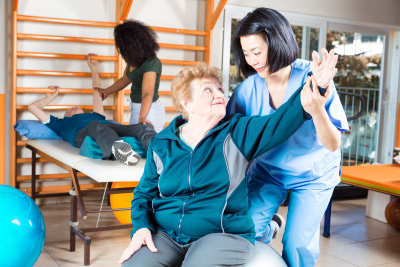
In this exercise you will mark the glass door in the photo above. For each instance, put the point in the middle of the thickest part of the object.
(359, 71)
(361, 66)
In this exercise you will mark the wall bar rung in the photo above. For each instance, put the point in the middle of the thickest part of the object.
(166, 108)
(184, 47)
(167, 77)
(65, 107)
(63, 73)
(177, 62)
(47, 90)
(65, 56)
(128, 92)
(64, 38)
(21, 178)
(102, 58)
(67, 21)
(103, 24)
(100, 41)
(182, 31)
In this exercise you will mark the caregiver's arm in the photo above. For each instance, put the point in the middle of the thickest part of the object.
(120, 84)
(142, 211)
(327, 133)
(323, 72)
(256, 135)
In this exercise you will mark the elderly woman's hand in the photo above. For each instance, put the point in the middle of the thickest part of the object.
(140, 238)
(325, 70)
(311, 99)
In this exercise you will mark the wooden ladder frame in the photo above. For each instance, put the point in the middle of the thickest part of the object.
(118, 108)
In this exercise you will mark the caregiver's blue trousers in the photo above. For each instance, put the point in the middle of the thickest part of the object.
(306, 209)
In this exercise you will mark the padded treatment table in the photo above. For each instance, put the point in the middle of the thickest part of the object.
(381, 178)
(67, 157)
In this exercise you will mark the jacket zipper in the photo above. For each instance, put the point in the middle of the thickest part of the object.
(184, 203)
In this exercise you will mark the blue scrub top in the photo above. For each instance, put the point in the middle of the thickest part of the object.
(300, 162)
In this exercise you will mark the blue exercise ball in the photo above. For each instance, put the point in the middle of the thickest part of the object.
(22, 228)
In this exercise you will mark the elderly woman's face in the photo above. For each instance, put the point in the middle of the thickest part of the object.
(208, 98)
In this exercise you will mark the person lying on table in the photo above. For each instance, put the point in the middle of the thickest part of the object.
(77, 125)
(190, 207)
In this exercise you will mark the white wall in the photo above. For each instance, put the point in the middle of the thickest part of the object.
(180, 14)
(382, 11)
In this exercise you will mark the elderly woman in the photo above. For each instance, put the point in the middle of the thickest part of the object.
(190, 207)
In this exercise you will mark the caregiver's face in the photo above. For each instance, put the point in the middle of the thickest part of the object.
(208, 98)
(255, 51)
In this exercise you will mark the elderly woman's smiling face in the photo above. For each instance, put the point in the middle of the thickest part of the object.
(208, 99)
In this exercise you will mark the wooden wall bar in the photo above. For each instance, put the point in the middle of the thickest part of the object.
(47, 90)
(65, 56)
(65, 107)
(105, 24)
(63, 73)
(13, 96)
(118, 108)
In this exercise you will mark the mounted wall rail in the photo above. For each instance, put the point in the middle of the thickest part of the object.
(65, 56)
(104, 24)
(47, 90)
(100, 41)
(127, 92)
(100, 58)
(117, 107)
(67, 21)
(66, 107)
(63, 73)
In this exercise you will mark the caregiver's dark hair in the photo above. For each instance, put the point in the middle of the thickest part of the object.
(136, 42)
(276, 31)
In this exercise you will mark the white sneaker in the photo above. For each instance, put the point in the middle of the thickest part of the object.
(278, 222)
(123, 153)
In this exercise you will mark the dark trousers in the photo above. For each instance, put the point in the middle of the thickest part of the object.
(213, 250)
(106, 134)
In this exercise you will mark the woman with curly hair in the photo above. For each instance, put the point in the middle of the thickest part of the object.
(137, 44)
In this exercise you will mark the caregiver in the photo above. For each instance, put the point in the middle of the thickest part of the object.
(308, 163)
(137, 44)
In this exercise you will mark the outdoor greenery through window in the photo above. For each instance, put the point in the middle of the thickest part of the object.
(359, 71)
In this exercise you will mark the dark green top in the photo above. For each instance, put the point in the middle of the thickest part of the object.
(136, 77)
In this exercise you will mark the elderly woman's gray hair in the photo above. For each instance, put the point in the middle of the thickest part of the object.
(181, 85)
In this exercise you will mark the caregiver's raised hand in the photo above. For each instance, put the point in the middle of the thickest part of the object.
(311, 100)
(140, 238)
(325, 70)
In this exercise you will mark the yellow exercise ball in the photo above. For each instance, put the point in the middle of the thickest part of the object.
(120, 201)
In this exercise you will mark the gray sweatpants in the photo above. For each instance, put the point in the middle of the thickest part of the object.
(213, 250)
